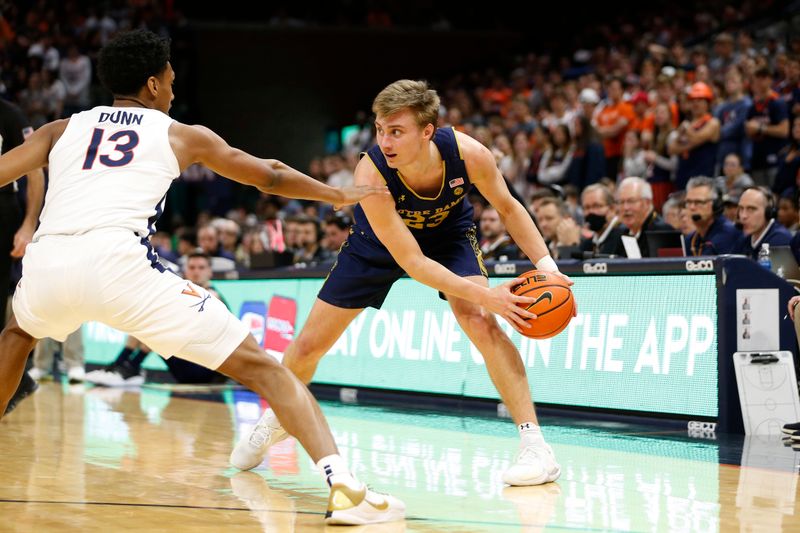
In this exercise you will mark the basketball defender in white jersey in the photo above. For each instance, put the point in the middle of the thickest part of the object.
(110, 168)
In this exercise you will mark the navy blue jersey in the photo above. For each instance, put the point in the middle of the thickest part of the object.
(446, 212)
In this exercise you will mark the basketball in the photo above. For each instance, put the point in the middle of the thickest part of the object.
(554, 303)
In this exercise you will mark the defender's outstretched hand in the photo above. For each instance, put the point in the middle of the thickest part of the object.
(355, 193)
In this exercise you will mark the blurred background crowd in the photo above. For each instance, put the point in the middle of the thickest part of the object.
(669, 122)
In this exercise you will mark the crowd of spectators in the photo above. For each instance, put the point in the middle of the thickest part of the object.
(645, 132)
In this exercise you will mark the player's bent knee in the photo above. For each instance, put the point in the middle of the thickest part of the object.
(481, 325)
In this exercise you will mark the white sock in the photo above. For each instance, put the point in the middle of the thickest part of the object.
(335, 470)
(530, 433)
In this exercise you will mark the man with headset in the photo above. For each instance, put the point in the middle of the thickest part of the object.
(714, 234)
(757, 214)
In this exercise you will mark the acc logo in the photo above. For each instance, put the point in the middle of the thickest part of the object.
(596, 268)
(457, 191)
(700, 266)
(505, 268)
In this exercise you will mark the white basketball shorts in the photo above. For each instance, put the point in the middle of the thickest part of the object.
(110, 276)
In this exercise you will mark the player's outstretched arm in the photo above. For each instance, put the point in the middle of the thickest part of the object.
(393, 233)
(198, 144)
(30, 155)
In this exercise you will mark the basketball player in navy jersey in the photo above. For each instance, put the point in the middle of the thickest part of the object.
(91, 259)
(425, 229)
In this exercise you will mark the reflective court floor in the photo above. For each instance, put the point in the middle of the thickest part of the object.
(79, 458)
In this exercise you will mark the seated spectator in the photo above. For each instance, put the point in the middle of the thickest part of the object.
(560, 232)
(338, 175)
(337, 229)
(661, 165)
(730, 203)
(208, 239)
(186, 240)
(309, 250)
(635, 205)
(671, 211)
(557, 157)
(496, 243)
(208, 243)
(518, 170)
(588, 158)
(291, 233)
(560, 114)
(633, 157)
(538, 196)
(229, 234)
(714, 234)
(254, 241)
(787, 210)
(757, 213)
(734, 179)
(588, 100)
(601, 221)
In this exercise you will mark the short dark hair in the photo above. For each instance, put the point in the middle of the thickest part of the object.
(128, 60)
(560, 205)
(763, 72)
(201, 254)
(544, 192)
(340, 220)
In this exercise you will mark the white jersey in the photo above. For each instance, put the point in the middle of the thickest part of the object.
(111, 168)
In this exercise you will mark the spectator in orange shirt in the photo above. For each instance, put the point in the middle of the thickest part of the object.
(641, 105)
(696, 142)
(612, 122)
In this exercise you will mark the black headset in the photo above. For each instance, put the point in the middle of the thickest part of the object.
(771, 210)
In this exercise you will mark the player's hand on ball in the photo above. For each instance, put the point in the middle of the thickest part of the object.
(502, 301)
(564, 277)
(355, 193)
(570, 283)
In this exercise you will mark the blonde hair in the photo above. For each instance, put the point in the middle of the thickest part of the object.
(414, 95)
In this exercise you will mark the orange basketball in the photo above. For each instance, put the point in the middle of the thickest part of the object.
(554, 303)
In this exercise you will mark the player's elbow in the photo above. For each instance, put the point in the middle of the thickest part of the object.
(271, 175)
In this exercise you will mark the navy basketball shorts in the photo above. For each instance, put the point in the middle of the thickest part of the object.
(365, 270)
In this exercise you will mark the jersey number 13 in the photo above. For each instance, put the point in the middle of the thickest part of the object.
(124, 148)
